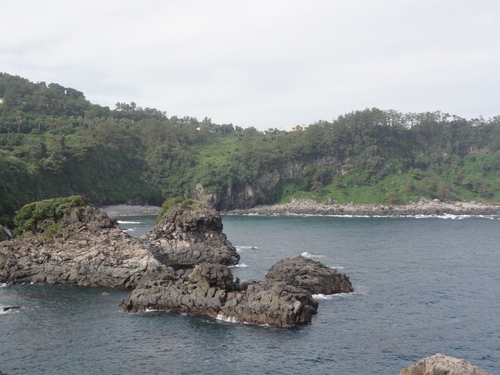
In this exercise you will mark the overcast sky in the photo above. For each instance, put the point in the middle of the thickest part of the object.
(260, 63)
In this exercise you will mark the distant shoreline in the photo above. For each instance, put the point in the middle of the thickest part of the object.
(309, 207)
(130, 210)
(423, 207)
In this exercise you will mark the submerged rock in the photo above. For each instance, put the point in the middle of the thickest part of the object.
(440, 364)
(86, 247)
(211, 290)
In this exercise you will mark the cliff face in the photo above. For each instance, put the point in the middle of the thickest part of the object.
(244, 196)
(91, 250)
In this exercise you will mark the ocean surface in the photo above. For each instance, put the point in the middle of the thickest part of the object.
(422, 286)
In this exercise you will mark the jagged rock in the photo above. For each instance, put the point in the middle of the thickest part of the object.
(211, 290)
(185, 237)
(89, 249)
(311, 275)
(440, 364)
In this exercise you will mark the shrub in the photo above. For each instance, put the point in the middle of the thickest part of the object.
(177, 202)
(44, 215)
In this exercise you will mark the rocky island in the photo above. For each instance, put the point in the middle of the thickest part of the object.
(68, 241)
(284, 298)
(180, 265)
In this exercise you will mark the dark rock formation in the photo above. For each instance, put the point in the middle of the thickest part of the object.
(440, 364)
(185, 237)
(311, 275)
(89, 249)
(8, 308)
(211, 290)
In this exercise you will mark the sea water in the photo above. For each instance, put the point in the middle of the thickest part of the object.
(422, 286)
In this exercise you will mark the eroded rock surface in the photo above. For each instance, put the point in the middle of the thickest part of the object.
(311, 275)
(440, 364)
(211, 290)
(185, 237)
(91, 250)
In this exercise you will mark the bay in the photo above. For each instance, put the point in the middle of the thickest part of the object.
(422, 286)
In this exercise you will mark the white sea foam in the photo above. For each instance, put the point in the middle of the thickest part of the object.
(228, 319)
(3, 285)
(241, 248)
(239, 265)
(9, 311)
(305, 254)
(337, 268)
(129, 230)
(129, 222)
(358, 290)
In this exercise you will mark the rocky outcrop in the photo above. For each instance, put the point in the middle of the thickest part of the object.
(211, 290)
(440, 364)
(89, 249)
(311, 275)
(423, 207)
(185, 237)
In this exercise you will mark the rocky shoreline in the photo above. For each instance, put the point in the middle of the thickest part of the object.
(182, 264)
(422, 208)
(309, 207)
(130, 210)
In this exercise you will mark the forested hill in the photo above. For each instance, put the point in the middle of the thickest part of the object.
(54, 142)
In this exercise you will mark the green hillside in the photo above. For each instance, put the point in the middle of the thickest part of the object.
(55, 143)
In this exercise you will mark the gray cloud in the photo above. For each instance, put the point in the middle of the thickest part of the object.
(262, 63)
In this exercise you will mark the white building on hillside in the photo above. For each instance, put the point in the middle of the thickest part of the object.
(299, 127)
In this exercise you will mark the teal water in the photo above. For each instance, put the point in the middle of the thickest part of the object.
(422, 286)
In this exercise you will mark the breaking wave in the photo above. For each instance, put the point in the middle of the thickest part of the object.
(305, 254)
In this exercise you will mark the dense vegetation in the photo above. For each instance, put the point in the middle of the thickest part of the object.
(55, 143)
(44, 216)
(177, 202)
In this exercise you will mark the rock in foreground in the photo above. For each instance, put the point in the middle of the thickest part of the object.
(211, 290)
(440, 364)
(89, 250)
(67, 241)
